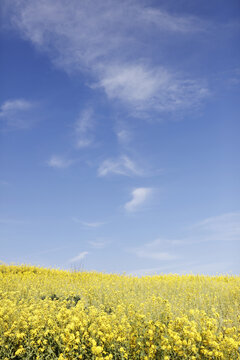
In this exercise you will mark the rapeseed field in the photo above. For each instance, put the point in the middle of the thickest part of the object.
(63, 315)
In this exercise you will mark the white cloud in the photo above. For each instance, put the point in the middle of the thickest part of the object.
(93, 29)
(222, 228)
(181, 268)
(139, 196)
(83, 129)
(89, 224)
(15, 105)
(79, 257)
(99, 243)
(212, 268)
(225, 227)
(154, 250)
(15, 113)
(175, 23)
(59, 162)
(144, 88)
(120, 166)
(101, 39)
(123, 136)
(132, 84)
(124, 132)
(155, 255)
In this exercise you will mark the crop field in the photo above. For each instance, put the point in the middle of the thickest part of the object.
(55, 314)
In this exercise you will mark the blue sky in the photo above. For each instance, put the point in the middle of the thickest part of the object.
(120, 135)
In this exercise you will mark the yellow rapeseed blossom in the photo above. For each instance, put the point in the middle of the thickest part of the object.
(63, 315)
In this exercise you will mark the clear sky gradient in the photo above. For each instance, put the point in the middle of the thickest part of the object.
(119, 130)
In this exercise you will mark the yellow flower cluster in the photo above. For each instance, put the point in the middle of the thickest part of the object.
(61, 315)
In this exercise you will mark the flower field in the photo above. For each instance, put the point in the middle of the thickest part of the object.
(56, 314)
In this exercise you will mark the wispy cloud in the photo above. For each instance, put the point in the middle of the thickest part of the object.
(99, 243)
(193, 267)
(79, 257)
(120, 166)
(139, 196)
(222, 228)
(88, 224)
(154, 250)
(84, 129)
(59, 162)
(209, 268)
(155, 255)
(225, 227)
(151, 88)
(15, 113)
(123, 135)
(15, 105)
(94, 38)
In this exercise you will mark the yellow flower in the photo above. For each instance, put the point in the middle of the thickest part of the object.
(96, 350)
(20, 351)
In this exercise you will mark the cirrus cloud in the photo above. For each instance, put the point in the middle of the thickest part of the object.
(59, 162)
(120, 166)
(101, 40)
(16, 113)
(84, 128)
(79, 257)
